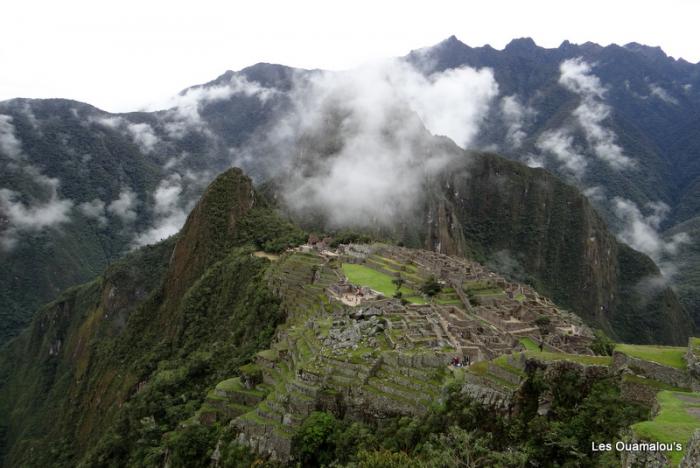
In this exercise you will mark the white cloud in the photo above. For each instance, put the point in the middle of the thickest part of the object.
(533, 160)
(595, 193)
(168, 211)
(124, 207)
(143, 136)
(515, 116)
(559, 143)
(183, 109)
(576, 76)
(142, 133)
(30, 217)
(662, 94)
(27, 215)
(9, 143)
(640, 231)
(359, 143)
(451, 103)
(94, 209)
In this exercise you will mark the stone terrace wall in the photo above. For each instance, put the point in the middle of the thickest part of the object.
(638, 393)
(692, 452)
(669, 375)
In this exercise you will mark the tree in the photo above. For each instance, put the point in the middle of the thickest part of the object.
(398, 282)
(431, 287)
(544, 324)
(313, 445)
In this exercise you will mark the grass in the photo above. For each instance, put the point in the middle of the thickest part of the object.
(365, 276)
(653, 383)
(502, 362)
(665, 355)
(529, 344)
(481, 368)
(695, 345)
(269, 256)
(673, 423)
(579, 358)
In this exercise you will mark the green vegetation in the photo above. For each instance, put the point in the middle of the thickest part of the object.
(529, 344)
(144, 346)
(268, 231)
(676, 421)
(602, 344)
(431, 287)
(665, 355)
(652, 383)
(579, 358)
(365, 276)
(463, 431)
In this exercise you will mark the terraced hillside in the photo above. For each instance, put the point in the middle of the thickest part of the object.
(351, 350)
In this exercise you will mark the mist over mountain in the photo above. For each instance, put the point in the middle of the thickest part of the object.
(420, 259)
(81, 186)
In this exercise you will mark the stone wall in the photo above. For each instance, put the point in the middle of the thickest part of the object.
(638, 393)
(692, 452)
(668, 375)
(644, 460)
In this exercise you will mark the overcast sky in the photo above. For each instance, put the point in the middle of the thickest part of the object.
(124, 55)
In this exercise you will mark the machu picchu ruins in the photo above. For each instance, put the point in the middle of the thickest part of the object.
(361, 340)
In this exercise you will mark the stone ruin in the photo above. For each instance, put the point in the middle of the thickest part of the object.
(477, 328)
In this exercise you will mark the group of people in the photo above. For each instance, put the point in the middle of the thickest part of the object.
(457, 362)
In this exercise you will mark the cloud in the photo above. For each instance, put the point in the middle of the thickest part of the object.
(169, 214)
(595, 193)
(21, 214)
(515, 116)
(94, 209)
(641, 231)
(559, 143)
(183, 110)
(358, 141)
(451, 103)
(141, 133)
(576, 76)
(144, 136)
(662, 94)
(20, 217)
(10, 145)
(124, 207)
(533, 160)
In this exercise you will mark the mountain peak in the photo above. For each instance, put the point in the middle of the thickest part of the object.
(452, 43)
(521, 44)
(648, 51)
(209, 228)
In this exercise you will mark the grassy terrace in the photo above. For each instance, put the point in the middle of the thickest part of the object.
(529, 344)
(481, 368)
(676, 421)
(365, 276)
(665, 355)
(652, 383)
(579, 358)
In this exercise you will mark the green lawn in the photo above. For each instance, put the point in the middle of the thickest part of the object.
(580, 358)
(529, 344)
(673, 423)
(666, 355)
(362, 275)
